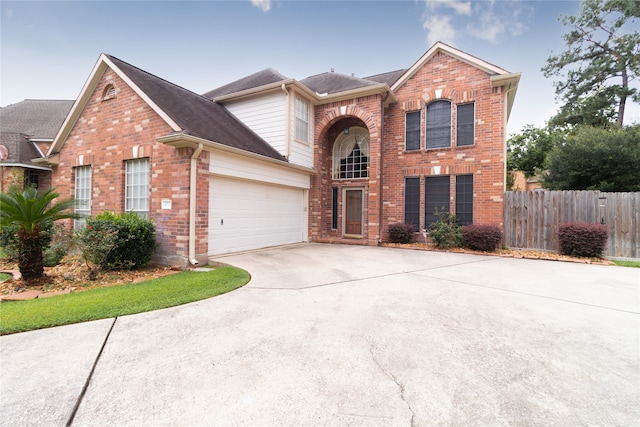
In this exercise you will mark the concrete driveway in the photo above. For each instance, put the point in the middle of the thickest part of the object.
(349, 335)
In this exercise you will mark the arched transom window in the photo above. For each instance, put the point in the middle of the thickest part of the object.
(351, 154)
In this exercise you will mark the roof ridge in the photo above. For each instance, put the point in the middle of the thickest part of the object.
(157, 77)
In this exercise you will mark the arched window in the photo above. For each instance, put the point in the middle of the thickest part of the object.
(439, 124)
(351, 154)
(109, 92)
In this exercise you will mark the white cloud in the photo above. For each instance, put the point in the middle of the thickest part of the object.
(264, 5)
(439, 28)
(485, 20)
(459, 7)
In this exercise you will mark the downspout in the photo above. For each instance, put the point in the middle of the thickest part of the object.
(192, 205)
(288, 131)
(381, 166)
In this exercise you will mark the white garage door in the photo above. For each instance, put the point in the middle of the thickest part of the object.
(249, 215)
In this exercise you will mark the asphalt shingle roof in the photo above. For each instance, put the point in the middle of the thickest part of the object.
(261, 78)
(389, 78)
(36, 118)
(335, 82)
(196, 115)
(20, 149)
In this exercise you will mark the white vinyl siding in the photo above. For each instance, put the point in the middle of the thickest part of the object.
(266, 116)
(137, 187)
(82, 195)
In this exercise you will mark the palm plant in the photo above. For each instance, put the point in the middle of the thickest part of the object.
(31, 210)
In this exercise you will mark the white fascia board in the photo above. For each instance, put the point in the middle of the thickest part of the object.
(182, 141)
(255, 91)
(87, 90)
(453, 52)
(26, 166)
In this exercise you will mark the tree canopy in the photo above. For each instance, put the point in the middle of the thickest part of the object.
(595, 159)
(601, 62)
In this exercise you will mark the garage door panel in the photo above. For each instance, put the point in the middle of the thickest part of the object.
(249, 215)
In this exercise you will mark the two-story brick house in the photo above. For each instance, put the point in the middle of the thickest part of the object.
(269, 160)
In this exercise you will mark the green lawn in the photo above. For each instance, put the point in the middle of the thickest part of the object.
(102, 303)
(635, 264)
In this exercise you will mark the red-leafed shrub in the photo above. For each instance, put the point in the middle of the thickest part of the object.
(401, 233)
(481, 237)
(582, 239)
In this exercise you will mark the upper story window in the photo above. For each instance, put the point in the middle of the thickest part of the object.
(82, 195)
(412, 130)
(137, 187)
(109, 92)
(465, 118)
(302, 120)
(438, 133)
(351, 154)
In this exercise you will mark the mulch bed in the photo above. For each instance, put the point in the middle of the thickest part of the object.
(72, 275)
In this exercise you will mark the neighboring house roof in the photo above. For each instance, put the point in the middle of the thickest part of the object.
(261, 78)
(184, 111)
(39, 119)
(19, 150)
(332, 82)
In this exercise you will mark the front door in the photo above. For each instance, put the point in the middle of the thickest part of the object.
(353, 214)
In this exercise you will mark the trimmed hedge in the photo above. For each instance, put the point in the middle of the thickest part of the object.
(135, 242)
(582, 239)
(481, 237)
(401, 233)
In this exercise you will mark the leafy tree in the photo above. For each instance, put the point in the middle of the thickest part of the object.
(32, 211)
(595, 159)
(527, 150)
(601, 60)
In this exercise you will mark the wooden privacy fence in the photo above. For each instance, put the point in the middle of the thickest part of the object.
(531, 218)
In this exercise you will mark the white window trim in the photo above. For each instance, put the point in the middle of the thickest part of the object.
(142, 209)
(337, 156)
(299, 119)
(85, 211)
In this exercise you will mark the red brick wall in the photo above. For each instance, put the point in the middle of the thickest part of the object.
(330, 122)
(459, 83)
(105, 136)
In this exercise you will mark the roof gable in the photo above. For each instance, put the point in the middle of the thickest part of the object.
(453, 52)
(184, 111)
(20, 150)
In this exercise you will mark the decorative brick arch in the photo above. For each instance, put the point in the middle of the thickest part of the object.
(335, 114)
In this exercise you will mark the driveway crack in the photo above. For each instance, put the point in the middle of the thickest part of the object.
(395, 380)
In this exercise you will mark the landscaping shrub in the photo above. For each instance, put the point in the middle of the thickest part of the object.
(60, 243)
(401, 233)
(481, 237)
(582, 239)
(445, 232)
(134, 242)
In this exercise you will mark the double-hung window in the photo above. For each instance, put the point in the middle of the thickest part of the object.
(464, 199)
(82, 196)
(436, 198)
(137, 187)
(302, 120)
(412, 202)
(464, 124)
(438, 133)
(412, 130)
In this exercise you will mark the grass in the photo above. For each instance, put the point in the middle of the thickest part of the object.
(4, 276)
(107, 302)
(635, 264)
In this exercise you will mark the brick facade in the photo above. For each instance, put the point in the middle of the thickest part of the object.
(112, 131)
(442, 77)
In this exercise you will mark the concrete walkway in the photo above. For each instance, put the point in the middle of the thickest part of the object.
(350, 335)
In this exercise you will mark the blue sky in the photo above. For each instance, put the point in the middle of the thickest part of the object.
(47, 49)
